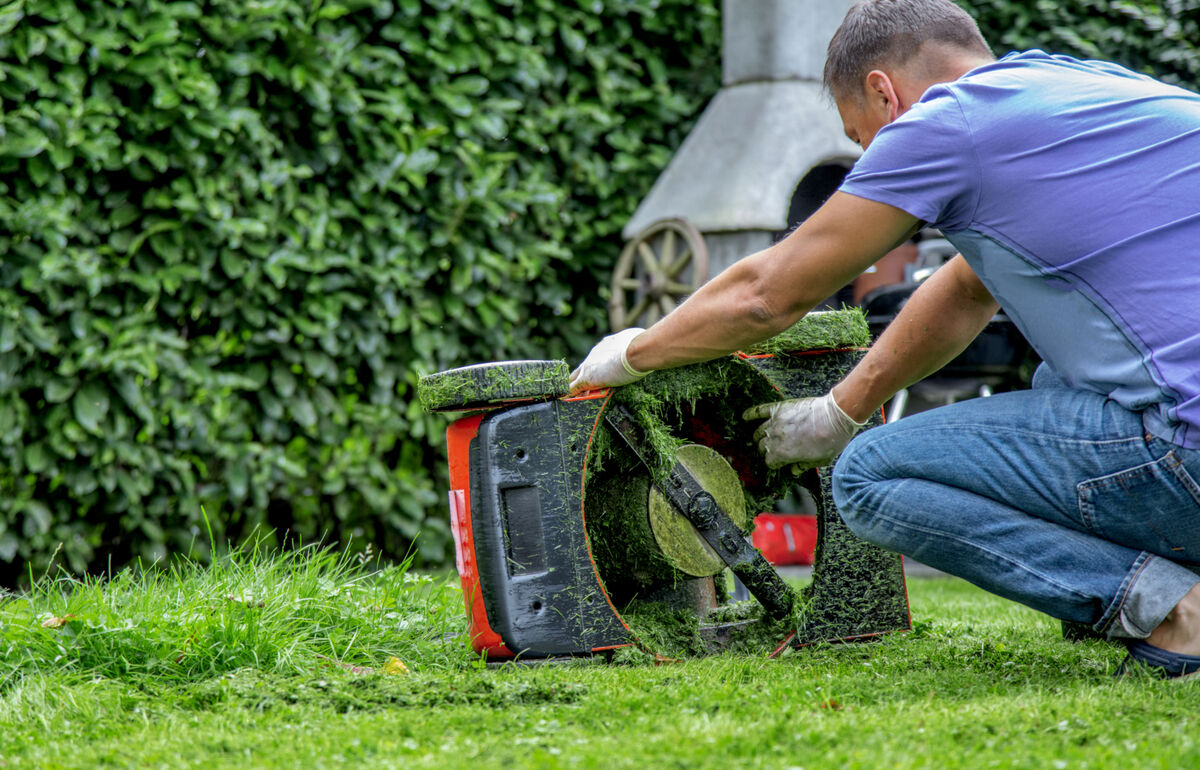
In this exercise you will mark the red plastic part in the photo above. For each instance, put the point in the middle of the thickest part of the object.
(785, 538)
(484, 639)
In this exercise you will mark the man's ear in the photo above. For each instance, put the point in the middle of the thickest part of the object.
(881, 95)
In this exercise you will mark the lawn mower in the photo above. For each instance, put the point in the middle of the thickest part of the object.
(618, 519)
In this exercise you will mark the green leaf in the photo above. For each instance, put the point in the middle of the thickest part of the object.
(470, 85)
(90, 407)
(8, 544)
(9, 18)
(38, 518)
(238, 477)
(25, 145)
(283, 381)
(37, 457)
(132, 394)
(58, 389)
(303, 412)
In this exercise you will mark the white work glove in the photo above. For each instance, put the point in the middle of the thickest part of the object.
(807, 432)
(606, 366)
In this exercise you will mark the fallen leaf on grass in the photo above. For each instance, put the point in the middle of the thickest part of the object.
(395, 666)
(56, 622)
(832, 704)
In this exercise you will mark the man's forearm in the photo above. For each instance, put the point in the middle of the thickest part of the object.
(726, 314)
(765, 293)
(939, 321)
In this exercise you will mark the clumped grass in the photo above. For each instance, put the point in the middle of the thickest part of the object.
(479, 384)
(820, 330)
(278, 612)
(980, 682)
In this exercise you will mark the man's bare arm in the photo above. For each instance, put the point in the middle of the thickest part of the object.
(765, 293)
(937, 323)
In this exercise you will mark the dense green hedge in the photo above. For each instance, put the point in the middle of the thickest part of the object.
(234, 234)
(1159, 38)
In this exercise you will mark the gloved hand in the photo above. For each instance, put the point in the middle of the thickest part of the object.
(808, 432)
(606, 366)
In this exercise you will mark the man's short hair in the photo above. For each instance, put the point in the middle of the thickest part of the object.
(878, 33)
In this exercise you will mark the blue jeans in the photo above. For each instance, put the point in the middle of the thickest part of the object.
(1053, 497)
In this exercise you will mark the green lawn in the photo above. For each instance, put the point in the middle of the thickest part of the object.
(247, 665)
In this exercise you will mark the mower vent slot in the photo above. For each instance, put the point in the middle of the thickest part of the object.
(522, 510)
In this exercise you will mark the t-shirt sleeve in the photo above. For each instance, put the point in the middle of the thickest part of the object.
(923, 163)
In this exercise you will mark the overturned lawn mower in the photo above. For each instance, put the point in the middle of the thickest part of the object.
(611, 520)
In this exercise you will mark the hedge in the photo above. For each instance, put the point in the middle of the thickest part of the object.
(235, 234)
(1159, 38)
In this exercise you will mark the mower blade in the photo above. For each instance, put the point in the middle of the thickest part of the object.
(684, 493)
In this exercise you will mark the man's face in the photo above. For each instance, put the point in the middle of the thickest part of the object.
(860, 122)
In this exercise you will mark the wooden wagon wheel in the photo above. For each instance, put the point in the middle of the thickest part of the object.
(659, 267)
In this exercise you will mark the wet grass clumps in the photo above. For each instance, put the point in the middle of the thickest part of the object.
(858, 589)
(485, 384)
(823, 330)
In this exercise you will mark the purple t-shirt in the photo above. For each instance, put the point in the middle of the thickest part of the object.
(1072, 188)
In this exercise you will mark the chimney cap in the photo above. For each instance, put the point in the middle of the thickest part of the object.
(741, 163)
(777, 39)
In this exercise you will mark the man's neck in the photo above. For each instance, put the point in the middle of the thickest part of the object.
(935, 63)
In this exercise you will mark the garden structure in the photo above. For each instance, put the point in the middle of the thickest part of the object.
(768, 150)
(610, 519)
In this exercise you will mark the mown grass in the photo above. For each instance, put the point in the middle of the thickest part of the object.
(281, 660)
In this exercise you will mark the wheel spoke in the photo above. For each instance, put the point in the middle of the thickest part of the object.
(640, 307)
(651, 315)
(666, 304)
(667, 252)
(631, 283)
(648, 259)
(678, 265)
(673, 287)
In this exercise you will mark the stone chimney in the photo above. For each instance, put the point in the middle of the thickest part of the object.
(737, 174)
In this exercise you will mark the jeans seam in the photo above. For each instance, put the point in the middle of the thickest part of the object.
(955, 538)
(1054, 438)
(1117, 479)
(1113, 612)
(1086, 509)
(1180, 472)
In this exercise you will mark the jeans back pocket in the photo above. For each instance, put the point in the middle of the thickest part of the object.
(1152, 507)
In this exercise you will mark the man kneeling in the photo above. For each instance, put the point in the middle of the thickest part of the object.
(1072, 190)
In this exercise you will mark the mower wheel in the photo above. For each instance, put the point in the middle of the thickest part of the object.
(481, 385)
